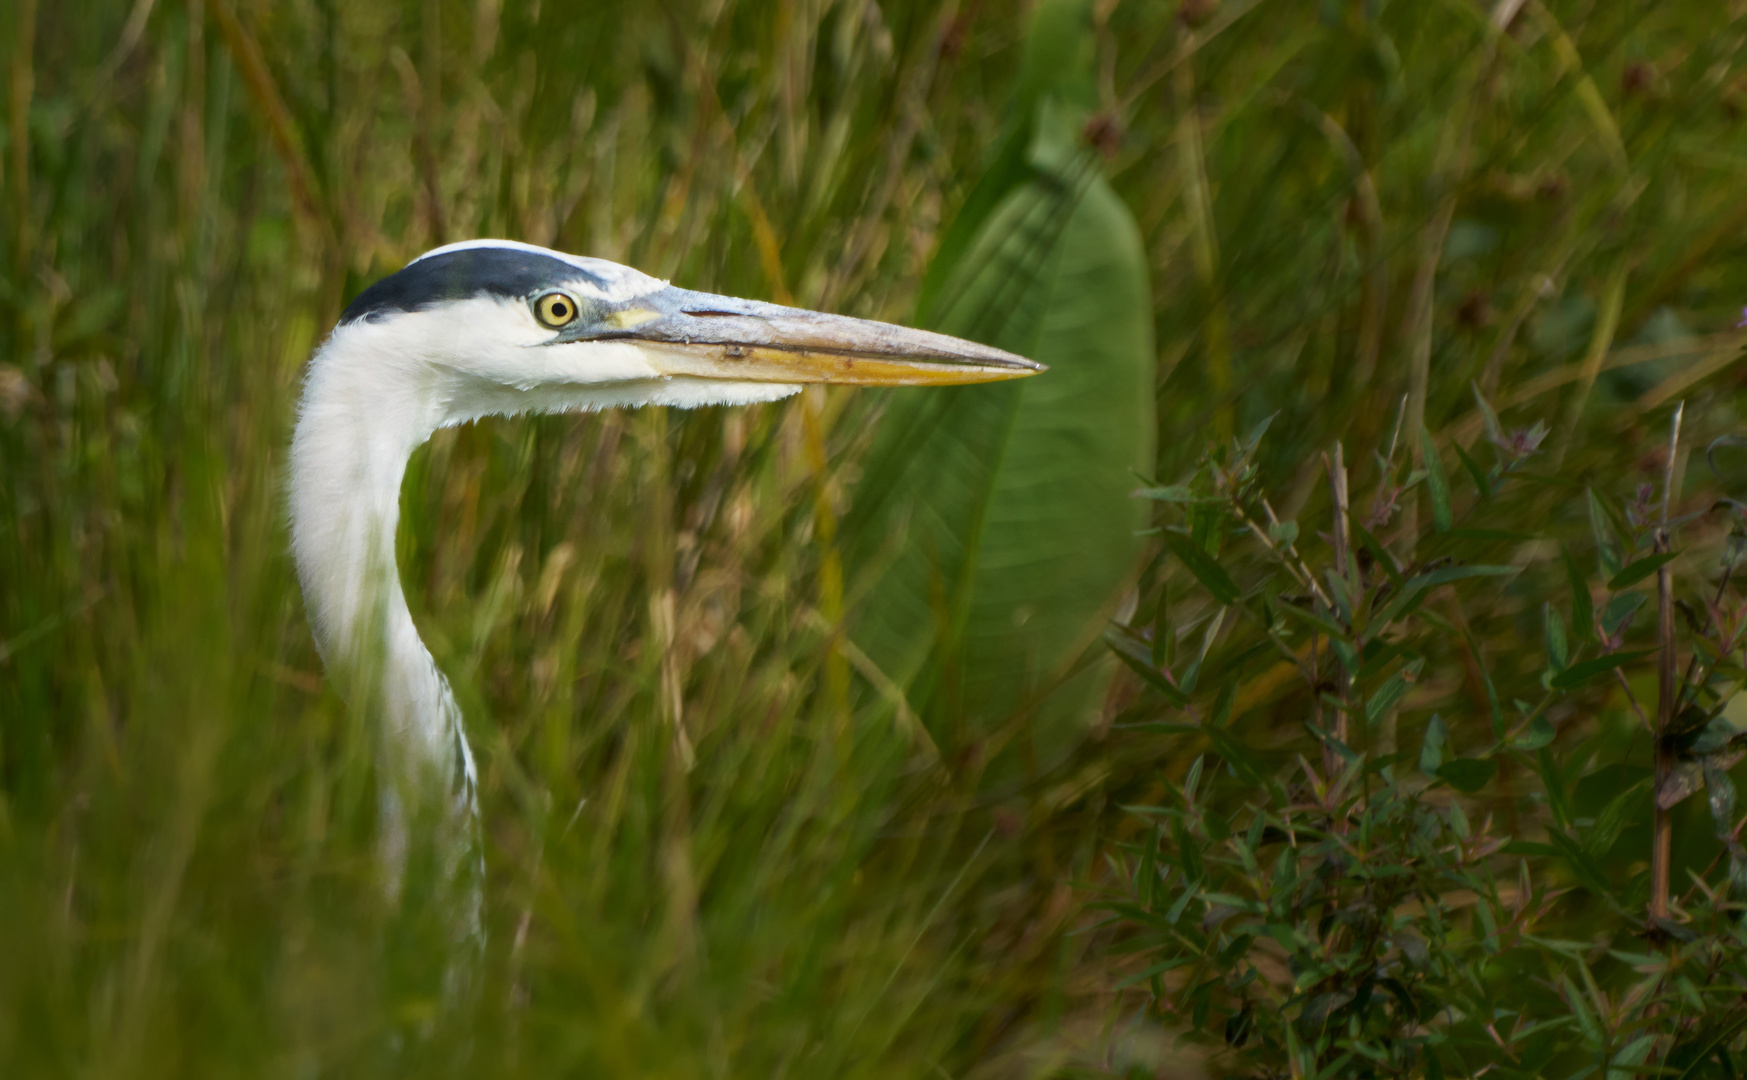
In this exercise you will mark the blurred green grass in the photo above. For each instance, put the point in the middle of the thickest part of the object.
(1343, 204)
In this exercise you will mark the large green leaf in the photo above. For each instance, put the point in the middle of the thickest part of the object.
(996, 521)
(1057, 73)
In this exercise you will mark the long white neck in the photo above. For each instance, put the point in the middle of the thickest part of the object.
(365, 409)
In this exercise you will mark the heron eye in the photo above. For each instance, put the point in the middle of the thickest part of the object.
(555, 309)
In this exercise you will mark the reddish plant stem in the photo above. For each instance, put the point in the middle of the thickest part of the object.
(1662, 830)
(1343, 545)
(1662, 824)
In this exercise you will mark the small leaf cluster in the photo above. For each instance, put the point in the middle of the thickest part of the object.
(1320, 894)
(1345, 925)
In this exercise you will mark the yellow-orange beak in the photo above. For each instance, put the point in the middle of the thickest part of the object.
(701, 335)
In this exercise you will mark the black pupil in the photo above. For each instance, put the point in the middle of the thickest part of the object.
(560, 309)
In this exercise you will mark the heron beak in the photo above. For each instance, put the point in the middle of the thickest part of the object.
(701, 335)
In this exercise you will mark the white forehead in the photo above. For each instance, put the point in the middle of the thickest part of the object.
(608, 281)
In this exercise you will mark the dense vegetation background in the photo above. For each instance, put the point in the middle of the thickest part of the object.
(851, 736)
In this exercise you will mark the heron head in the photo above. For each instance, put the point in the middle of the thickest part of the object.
(523, 328)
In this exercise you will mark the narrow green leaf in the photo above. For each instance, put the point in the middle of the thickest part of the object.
(1134, 653)
(1164, 635)
(1467, 775)
(1527, 847)
(1583, 671)
(1711, 1041)
(1325, 737)
(1538, 734)
(1159, 968)
(1188, 850)
(1380, 656)
(1619, 612)
(1221, 716)
(1210, 574)
(1583, 866)
(1392, 691)
(1345, 653)
(1236, 754)
(1191, 676)
(1486, 681)
(1482, 483)
(1204, 521)
(1607, 549)
(1640, 569)
(1445, 575)
(1437, 483)
(1176, 910)
(1579, 1006)
(1553, 782)
(1582, 609)
(1458, 816)
(1488, 923)
(1315, 619)
(1553, 625)
(1615, 816)
(1340, 594)
(1437, 737)
(1630, 1061)
(1413, 592)
(1399, 608)
(1494, 430)
(1379, 554)
(1172, 494)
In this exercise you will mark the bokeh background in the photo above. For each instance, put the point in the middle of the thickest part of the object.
(794, 721)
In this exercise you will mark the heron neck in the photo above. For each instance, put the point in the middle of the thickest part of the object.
(360, 420)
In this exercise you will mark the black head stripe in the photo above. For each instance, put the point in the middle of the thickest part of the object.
(459, 275)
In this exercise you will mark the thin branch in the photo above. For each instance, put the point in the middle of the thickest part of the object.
(1286, 555)
(1632, 700)
(1343, 540)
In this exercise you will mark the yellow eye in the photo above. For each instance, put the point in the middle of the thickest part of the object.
(555, 309)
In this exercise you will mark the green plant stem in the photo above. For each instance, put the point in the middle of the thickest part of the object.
(1198, 199)
(22, 85)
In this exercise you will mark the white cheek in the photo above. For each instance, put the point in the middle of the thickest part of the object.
(596, 362)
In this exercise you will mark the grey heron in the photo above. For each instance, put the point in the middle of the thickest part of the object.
(494, 327)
